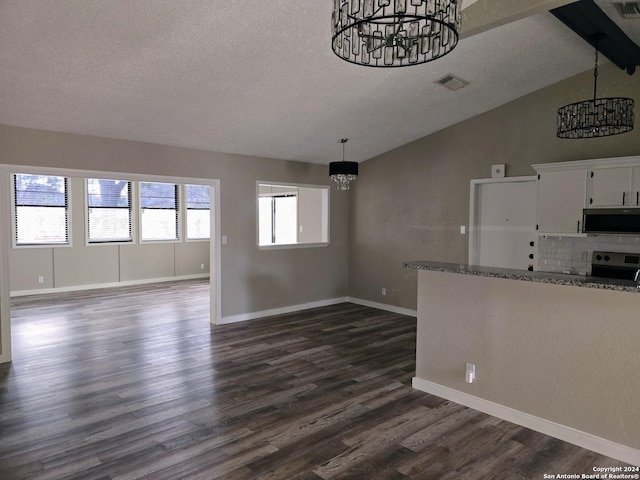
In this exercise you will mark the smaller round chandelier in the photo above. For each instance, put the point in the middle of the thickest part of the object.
(599, 117)
(343, 173)
(394, 33)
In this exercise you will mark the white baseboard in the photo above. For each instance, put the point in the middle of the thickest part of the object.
(383, 306)
(95, 286)
(556, 430)
(243, 317)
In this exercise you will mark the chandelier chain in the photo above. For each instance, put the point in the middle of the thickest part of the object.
(595, 76)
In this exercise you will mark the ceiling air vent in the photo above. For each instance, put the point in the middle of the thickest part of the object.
(452, 82)
(628, 9)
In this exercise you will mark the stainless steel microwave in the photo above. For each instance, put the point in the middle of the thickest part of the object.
(620, 221)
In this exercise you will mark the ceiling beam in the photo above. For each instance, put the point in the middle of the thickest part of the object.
(483, 15)
(588, 20)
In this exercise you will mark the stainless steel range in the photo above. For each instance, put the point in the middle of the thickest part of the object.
(615, 265)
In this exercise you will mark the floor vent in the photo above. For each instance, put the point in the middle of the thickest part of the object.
(452, 82)
(628, 9)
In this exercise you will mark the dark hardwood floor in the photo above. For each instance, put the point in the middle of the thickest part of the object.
(135, 383)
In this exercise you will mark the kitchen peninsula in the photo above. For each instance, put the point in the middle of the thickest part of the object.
(556, 353)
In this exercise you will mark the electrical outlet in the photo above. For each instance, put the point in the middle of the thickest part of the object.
(224, 239)
(41, 279)
(384, 291)
(463, 229)
(470, 373)
(202, 266)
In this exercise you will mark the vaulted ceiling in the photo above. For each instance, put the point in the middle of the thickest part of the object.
(258, 77)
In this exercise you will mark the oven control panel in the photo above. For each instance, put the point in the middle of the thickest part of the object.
(615, 259)
(615, 265)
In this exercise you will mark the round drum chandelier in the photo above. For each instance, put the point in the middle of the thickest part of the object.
(597, 117)
(394, 33)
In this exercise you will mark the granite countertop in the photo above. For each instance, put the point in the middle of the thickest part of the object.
(524, 275)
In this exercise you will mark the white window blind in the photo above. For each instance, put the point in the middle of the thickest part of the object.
(198, 216)
(109, 210)
(158, 211)
(41, 210)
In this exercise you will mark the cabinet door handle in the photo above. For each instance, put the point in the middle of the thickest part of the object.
(624, 196)
(637, 198)
(578, 228)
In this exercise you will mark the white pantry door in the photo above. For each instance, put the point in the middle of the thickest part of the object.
(505, 224)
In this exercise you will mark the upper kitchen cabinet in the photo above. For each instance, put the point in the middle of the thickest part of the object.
(614, 187)
(566, 188)
(635, 186)
(561, 198)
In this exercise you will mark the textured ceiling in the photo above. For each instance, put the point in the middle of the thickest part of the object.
(251, 77)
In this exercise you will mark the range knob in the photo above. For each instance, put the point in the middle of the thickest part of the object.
(606, 258)
(598, 257)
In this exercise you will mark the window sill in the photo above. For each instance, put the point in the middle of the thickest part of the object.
(292, 246)
(42, 245)
(107, 244)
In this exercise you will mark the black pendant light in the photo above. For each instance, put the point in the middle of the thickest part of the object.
(343, 173)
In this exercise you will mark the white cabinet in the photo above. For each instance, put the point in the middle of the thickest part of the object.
(566, 188)
(635, 186)
(561, 198)
(613, 187)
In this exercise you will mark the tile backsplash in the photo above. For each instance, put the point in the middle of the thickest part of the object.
(573, 254)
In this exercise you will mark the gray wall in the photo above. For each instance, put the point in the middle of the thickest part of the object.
(311, 215)
(252, 280)
(409, 203)
(561, 353)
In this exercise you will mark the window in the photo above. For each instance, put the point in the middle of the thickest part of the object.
(109, 211)
(41, 210)
(292, 214)
(198, 216)
(278, 218)
(158, 211)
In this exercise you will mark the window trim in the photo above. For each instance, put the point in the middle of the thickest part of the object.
(291, 245)
(132, 213)
(179, 222)
(186, 238)
(14, 219)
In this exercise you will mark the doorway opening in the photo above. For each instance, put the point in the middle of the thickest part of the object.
(189, 219)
